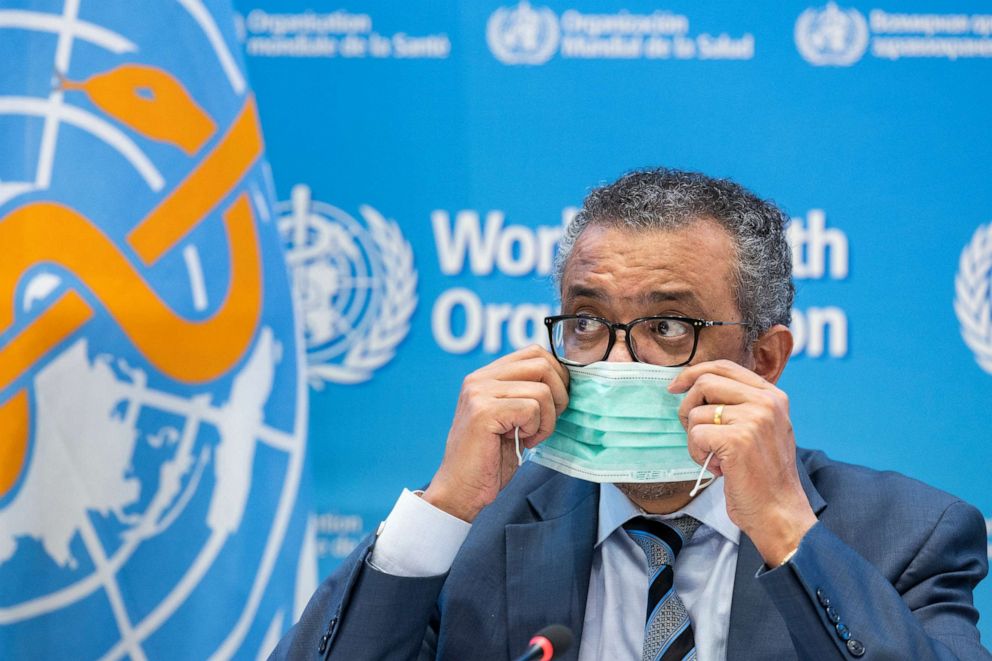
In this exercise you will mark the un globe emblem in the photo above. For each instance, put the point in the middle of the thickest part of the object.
(355, 283)
(152, 385)
(523, 34)
(831, 36)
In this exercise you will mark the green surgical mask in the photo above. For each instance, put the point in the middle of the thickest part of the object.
(621, 425)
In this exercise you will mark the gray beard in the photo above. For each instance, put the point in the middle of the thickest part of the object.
(646, 491)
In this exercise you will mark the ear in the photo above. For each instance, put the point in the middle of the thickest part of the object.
(771, 352)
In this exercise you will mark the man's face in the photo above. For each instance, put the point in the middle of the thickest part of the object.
(622, 275)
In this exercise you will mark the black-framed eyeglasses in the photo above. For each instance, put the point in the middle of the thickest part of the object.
(578, 339)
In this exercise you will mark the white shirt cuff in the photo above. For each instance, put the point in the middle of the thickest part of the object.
(417, 539)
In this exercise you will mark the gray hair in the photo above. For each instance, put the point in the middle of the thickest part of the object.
(671, 199)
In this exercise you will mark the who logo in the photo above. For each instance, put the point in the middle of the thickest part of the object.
(973, 295)
(831, 36)
(355, 283)
(523, 34)
(152, 391)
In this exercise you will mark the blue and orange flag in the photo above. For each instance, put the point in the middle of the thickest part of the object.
(152, 395)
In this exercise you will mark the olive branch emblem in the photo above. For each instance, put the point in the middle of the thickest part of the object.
(972, 303)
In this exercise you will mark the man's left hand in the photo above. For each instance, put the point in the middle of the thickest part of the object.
(753, 449)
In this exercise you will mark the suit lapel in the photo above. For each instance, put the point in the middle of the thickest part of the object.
(548, 561)
(756, 627)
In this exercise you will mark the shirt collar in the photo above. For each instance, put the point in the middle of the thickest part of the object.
(709, 508)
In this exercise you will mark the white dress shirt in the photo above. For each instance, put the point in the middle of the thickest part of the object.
(618, 585)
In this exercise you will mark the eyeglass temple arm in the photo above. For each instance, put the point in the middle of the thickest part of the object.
(707, 324)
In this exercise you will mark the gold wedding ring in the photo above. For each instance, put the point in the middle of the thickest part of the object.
(718, 415)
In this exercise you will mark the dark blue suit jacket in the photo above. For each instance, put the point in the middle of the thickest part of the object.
(894, 559)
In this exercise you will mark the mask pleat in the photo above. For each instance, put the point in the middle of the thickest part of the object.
(621, 425)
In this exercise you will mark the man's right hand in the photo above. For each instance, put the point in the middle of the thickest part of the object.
(526, 389)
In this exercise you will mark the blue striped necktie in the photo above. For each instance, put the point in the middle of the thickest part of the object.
(667, 633)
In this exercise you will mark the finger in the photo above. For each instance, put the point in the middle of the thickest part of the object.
(537, 391)
(706, 415)
(724, 368)
(703, 440)
(559, 369)
(706, 439)
(715, 469)
(530, 351)
(527, 353)
(713, 389)
(556, 366)
(519, 412)
(537, 369)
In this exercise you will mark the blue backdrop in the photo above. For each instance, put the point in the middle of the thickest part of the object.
(426, 154)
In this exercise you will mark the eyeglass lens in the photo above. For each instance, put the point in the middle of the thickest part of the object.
(657, 341)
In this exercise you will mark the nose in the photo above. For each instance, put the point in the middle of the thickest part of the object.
(620, 353)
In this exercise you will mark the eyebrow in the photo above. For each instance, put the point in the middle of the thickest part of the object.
(677, 295)
(585, 292)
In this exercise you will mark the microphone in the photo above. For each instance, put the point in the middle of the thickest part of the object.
(548, 643)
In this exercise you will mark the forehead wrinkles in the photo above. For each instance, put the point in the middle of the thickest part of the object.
(605, 253)
(676, 255)
(651, 265)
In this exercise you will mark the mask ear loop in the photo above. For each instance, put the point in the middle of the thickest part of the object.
(696, 489)
(516, 439)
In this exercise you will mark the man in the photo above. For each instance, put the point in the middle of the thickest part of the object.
(786, 555)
